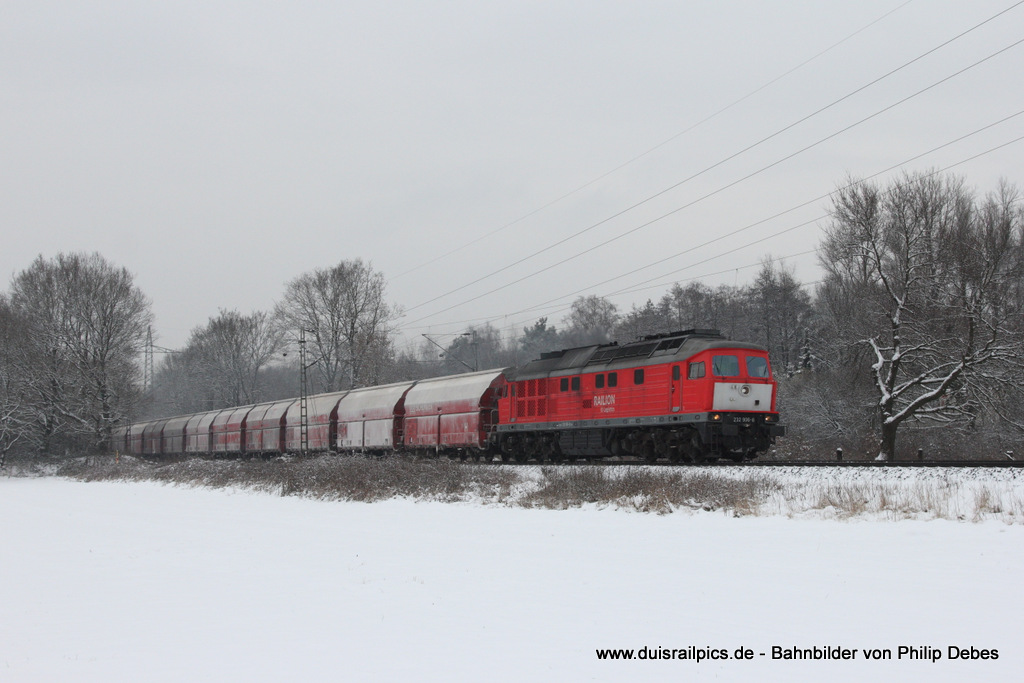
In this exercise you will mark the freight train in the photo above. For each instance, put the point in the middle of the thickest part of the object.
(688, 396)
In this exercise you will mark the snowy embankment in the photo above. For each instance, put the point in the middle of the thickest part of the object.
(141, 581)
(962, 494)
(953, 493)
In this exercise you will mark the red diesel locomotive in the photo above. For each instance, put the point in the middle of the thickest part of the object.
(682, 396)
(685, 396)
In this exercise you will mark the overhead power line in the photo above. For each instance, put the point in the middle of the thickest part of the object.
(656, 147)
(551, 306)
(712, 193)
(802, 205)
(647, 283)
(726, 159)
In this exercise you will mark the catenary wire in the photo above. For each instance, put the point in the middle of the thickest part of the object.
(781, 213)
(656, 147)
(550, 304)
(722, 161)
(647, 283)
(718, 190)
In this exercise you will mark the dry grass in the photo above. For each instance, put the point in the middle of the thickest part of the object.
(373, 479)
(325, 477)
(633, 488)
(647, 490)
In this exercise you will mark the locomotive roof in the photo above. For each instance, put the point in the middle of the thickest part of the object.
(649, 350)
(559, 360)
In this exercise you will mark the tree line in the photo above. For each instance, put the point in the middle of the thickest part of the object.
(917, 328)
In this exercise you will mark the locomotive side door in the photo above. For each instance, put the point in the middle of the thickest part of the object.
(513, 410)
(676, 391)
(576, 397)
(569, 399)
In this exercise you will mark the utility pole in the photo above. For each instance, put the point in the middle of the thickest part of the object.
(476, 351)
(147, 363)
(303, 403)
(304, 367)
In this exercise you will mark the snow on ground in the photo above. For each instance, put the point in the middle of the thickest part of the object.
(144, 582)
(954, 493)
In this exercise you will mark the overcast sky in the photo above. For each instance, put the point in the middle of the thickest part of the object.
(219, 149)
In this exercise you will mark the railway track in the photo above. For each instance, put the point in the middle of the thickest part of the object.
(881, 464)
(753, 464)
(633, 462)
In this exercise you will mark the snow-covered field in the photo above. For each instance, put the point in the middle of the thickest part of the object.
(146, 582)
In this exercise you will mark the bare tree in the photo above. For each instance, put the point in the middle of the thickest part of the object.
(15, 423)
(687, 307)
(778, 310)
(228, 354)
(347, 319)
(642, 321)
(591, 320)
(479, 348)
(181, 385)
(926, 279)
(697, 305)
(85, 324)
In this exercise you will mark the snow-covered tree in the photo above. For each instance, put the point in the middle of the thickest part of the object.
(15, 418)
(926, 279)
(85, 323)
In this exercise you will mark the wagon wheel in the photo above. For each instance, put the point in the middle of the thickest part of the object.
(649, 451)
(506, 448)
(539, 451)
(694, 448)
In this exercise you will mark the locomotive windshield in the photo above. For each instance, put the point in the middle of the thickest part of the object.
(757, 367)
(725, 366)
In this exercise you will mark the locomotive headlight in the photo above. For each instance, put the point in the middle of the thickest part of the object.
(745, 390)
(715, 416)
(770, 418)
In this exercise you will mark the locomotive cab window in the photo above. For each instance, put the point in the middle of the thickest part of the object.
(599, 381)
(675, 372)
(563, 384)
(613, 379)
(725, 366)
(575, 383)
(696, 370)
(757, 367)
(638, 376)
